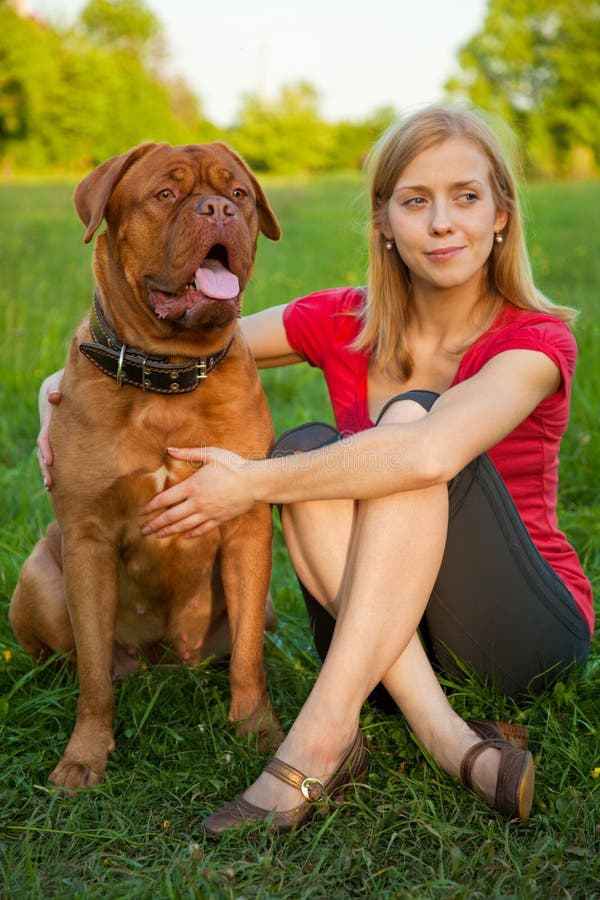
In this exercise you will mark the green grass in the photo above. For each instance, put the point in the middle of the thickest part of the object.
(410, 831)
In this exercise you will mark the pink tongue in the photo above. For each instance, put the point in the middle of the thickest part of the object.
(214, 280)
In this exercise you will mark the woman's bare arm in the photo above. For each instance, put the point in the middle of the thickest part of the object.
(467, 420)
(267, 339)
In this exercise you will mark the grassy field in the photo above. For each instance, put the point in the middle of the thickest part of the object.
(410, 832)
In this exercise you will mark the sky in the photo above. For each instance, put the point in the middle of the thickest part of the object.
(360, 55)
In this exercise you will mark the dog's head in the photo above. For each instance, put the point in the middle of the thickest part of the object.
(182, 228)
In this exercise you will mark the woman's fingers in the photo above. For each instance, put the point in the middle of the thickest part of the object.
(162, 527)
(174, 518)
(197, 457)
(44, 453)
(45, 458)
(46, 474)
(204, 455)
(213, 494)
(176, 494)
(190, 454)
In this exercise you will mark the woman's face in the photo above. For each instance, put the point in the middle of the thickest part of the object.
(442, 216)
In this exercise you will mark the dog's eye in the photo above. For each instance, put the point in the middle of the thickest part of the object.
(238, 193)
(166, 194)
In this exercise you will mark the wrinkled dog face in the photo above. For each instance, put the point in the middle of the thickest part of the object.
(207, 209)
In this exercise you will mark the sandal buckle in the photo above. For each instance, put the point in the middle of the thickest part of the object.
(313, 789)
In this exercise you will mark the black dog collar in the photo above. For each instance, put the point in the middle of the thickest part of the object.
(129, 365)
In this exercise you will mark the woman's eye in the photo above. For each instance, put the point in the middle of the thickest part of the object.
(166, 194)
(415, 201)
(469, 196)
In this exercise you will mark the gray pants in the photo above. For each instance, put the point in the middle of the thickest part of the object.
(497, 607)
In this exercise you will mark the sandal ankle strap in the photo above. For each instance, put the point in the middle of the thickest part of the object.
(515, 735)
(468, 761)
(312, 789)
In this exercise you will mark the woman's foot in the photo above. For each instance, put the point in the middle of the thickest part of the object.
(304, 791)
(304, 749)
(498, 768)
(490, 758)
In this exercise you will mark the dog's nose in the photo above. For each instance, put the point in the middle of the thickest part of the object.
(219, 209)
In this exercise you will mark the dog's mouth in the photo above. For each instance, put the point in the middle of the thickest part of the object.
(211, 286)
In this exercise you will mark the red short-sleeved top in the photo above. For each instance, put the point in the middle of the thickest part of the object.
(321, 327)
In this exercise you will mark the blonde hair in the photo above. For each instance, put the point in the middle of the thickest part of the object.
(508, 271)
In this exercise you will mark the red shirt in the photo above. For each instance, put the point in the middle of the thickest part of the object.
(321, 327)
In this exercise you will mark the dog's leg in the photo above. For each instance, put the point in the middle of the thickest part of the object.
(38, 611)
(246, 586)
(91, 587)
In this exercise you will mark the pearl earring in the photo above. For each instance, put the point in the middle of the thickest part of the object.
(498, 237)
(389, 245)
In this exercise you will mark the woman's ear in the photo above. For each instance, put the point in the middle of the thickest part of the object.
(501, 221)
(380, 218)
(384, 226)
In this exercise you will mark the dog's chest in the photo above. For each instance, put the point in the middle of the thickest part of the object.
(169, 472)
(167, 589)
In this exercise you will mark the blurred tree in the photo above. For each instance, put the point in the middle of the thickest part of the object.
(71, 98)
(68, 101)
(284, 135)
(121, 25)
(29, 74)
(353, 140)
(537, 65)
(288, 135)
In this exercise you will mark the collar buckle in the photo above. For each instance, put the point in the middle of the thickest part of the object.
(202, 370)
(120, 365)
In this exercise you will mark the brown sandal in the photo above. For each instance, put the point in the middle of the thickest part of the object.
(515, 735)
(516, 774)
(239, 812)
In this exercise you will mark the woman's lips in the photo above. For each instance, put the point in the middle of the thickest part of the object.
(443, 254)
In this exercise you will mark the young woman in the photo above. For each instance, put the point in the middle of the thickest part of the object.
(425, 528)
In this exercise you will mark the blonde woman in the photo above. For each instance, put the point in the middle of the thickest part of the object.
(423, 530)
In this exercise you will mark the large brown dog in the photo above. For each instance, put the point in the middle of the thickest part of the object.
(160, 361)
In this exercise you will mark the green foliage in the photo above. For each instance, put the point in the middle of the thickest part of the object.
(353, 140)
(70, 99)
(288, 136)
(285, 135)
(68, 102)
(410, 831)
(536, 65)
(121, 24)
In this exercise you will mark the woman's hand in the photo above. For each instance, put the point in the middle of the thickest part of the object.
(48, 397)
(219, 490)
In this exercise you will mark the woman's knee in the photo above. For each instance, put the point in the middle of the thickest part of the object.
(400, 412)
(406, 407)
(317, 536)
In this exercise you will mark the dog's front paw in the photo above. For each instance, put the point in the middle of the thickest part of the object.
(263, 723)
(73, 776)
(84, 761)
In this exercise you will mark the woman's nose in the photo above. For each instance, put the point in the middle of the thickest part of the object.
(441, 220)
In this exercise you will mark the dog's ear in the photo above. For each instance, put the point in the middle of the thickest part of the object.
(93, 193)
(266, 217)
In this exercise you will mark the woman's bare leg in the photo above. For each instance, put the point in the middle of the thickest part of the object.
(373, 564)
